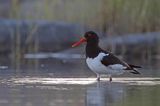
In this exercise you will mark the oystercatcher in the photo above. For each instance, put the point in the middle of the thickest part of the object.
(101, 61)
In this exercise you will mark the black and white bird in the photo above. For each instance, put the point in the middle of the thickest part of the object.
(101, 61)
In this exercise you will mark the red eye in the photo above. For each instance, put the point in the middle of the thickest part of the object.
(89, 35)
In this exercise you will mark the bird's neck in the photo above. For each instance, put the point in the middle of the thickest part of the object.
(92, 50)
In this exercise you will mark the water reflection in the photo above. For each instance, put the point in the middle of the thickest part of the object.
(103, 93)
(38, 91)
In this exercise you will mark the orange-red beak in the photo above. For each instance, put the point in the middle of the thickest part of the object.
(79, 42)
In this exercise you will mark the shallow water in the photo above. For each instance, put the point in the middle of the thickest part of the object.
(36, 91)
(68, 82)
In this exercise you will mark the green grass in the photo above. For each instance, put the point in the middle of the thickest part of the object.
(115, 16)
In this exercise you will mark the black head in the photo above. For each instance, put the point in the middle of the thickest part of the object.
(91, 37)
(92, 48)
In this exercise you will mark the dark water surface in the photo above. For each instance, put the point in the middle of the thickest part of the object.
(54, 82)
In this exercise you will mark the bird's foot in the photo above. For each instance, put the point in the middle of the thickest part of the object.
(98, 78)
(110, 79)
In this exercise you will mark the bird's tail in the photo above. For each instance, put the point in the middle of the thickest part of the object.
(134, 71)
(134, 66)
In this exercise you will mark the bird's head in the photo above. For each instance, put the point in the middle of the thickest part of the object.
(90, 37)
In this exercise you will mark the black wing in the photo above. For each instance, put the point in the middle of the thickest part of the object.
(111, 60)
(134, 66)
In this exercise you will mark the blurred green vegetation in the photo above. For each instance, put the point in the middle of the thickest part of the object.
(111, 16)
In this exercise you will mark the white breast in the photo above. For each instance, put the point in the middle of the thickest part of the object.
(95, 63)
(96, 66)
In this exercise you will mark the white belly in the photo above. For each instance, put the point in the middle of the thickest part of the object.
(96, 66)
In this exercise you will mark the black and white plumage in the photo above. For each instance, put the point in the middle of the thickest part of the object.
(103, 62)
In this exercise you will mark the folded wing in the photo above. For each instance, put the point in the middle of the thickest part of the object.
(115, 63)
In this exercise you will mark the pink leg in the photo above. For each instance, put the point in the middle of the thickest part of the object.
(110, 78)
(98, 77)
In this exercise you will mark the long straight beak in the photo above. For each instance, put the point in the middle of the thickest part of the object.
(79, 42)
